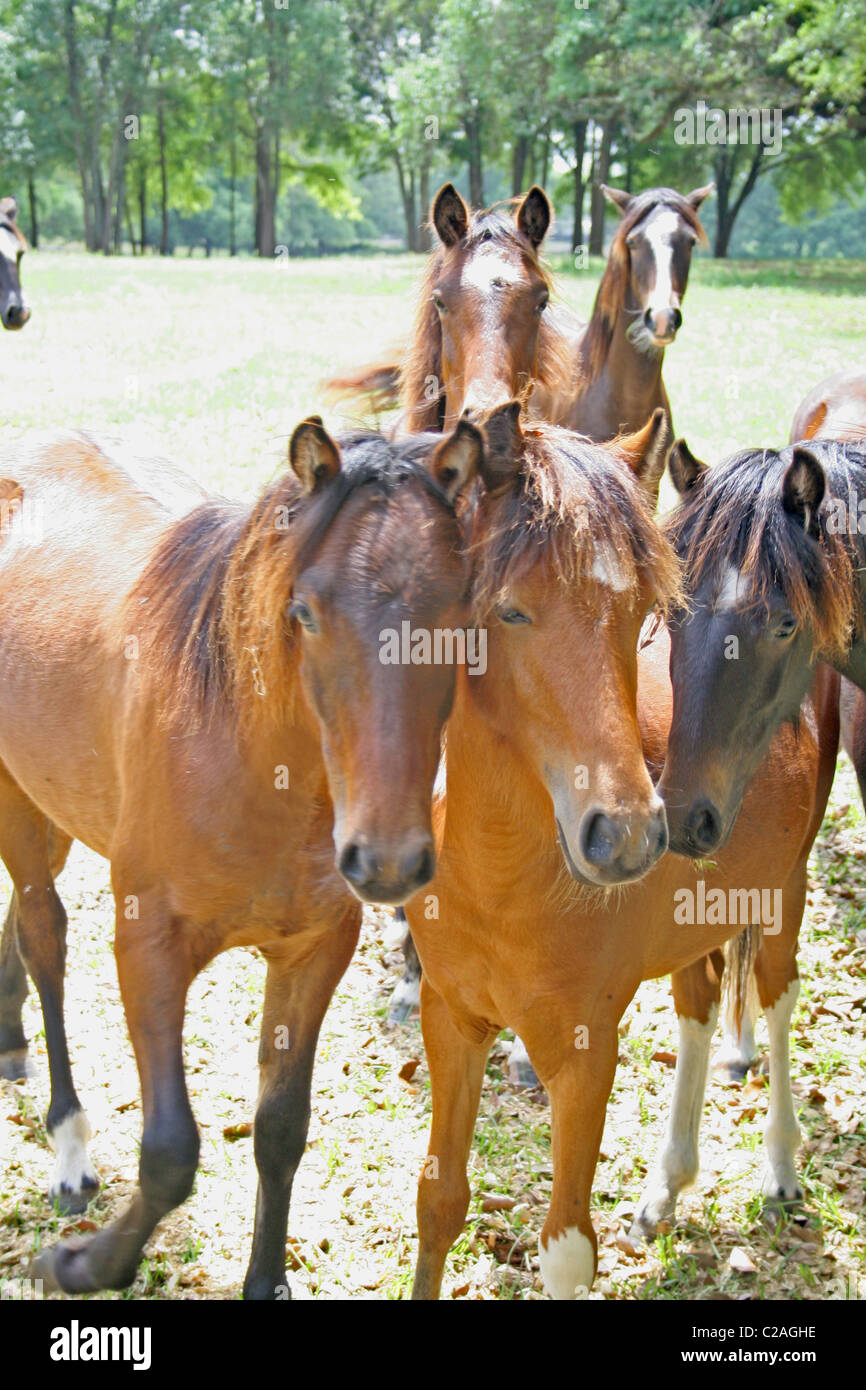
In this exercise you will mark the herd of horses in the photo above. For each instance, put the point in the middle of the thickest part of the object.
(658, 720)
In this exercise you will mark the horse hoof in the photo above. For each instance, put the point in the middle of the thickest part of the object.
(64, 1268)
(732, 1071)
(258, 1289)
(14, 1065)
(404, 1003)
(73, 1203)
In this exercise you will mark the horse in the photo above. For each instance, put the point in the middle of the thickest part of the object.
(553, 898)
(834, 409)
(13, 311)
(482, 333)
(637, 312)
(773, 565)
(202, 692)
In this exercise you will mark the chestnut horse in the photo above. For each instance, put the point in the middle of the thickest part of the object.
(13, 311)
(549, 802)
(195, 689)
(835, 409)
(482, 332)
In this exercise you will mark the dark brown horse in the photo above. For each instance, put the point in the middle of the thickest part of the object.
(482, 333)
(13, 311)
(636, 315)
(198, 691)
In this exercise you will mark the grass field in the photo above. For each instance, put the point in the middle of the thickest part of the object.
(214, 362)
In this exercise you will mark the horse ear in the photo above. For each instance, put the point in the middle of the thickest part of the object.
(449, 215)
(697, 195)
(617, 196)
(685, 470)
(9, 208)
(647, 450)
(313, 454)
(803, 489)
(534, 215)
(504, 439)
(457, 460)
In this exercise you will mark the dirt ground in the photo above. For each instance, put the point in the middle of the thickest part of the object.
(352, 1226)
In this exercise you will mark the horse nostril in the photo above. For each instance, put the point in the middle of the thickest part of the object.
(355, 864)
(601, 839)
(676, 320)
(658, 841)
(418, 867)
(704, 827)
(648, 319)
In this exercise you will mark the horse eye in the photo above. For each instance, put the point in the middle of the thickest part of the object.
(542, 304)
(301, 612)
(786, 627)
(512, 616)
(438, 302)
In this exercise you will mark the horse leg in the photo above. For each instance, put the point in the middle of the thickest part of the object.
(778, 988)
(13, 992)
(155, 966)
(299, 987)
(696, 991)
(407, 993)
(33, 851)
(578, 1081)
(456, 1076)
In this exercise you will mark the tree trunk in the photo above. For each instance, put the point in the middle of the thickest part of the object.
(34, 216)
(518, 164)
(163, 179)
(545, 158)
(596, 231)
(423, 240)
(130, 230)
(476, 168)
(142, 207)
(727, 211)
(407, 197)
(265, 218)
(233, 238)
(579, 134)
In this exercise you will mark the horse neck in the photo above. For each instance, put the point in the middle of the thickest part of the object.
(626, 387)
(495, 807)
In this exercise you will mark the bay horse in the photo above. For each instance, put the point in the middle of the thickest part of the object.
(482, 332)
(636, 315)
(196, 690)
(836, 409)
(13, 310)
(549, 805)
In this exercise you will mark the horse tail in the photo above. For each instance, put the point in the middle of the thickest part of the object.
(740, 993)
(378, 385)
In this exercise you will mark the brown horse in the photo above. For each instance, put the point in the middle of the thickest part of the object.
(548, 796)
(834, 409)
(482, 332)
(197, 690)
(637, 313)
(13, 311)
